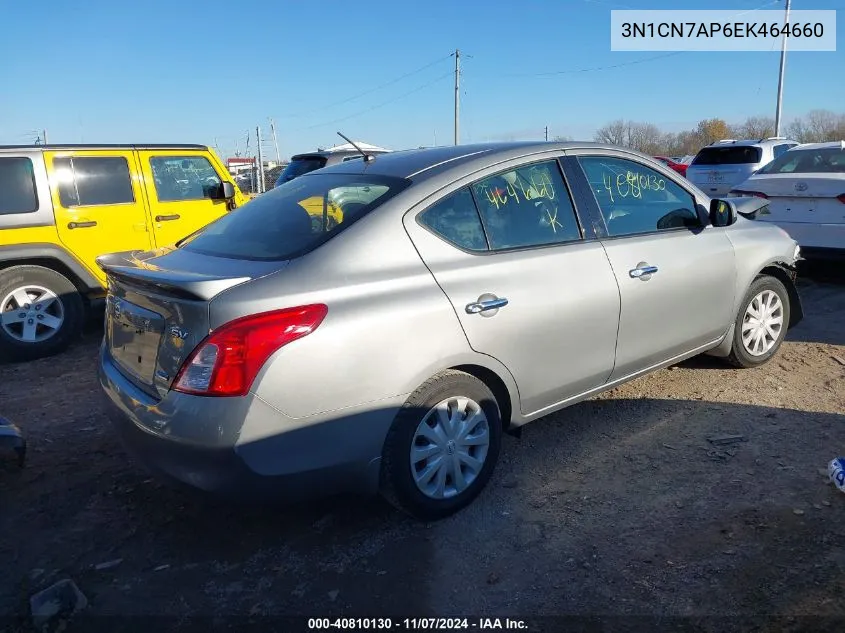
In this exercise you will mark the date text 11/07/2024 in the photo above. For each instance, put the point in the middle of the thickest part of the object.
(414, 624)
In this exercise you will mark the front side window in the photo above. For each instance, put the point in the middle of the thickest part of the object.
(17, 186)
(294, 218)
(527, 206)
(179, 178)
(636, 199)
(456, 220)
(93, 181)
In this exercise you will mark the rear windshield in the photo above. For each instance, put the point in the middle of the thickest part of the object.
(808, 161)
(728, 155)
(300, 166)
(293, 218)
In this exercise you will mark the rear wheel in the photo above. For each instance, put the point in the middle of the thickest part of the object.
(41, 312)
(442, 447)
(761, 324)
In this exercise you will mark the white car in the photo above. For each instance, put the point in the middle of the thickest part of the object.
(806, 191)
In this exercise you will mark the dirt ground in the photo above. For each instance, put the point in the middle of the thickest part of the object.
(619, 506)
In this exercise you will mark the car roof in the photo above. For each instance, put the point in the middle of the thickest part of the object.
(828, 145)
(731, 142)
(420, 164)
(328, 153)
(140, 146)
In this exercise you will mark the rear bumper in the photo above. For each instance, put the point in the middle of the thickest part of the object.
(817, 241)
(195, 441)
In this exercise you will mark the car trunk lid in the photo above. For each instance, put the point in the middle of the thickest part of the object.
(801, 197)
(157, 308)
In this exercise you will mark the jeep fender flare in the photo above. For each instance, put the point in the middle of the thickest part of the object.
(43, 254)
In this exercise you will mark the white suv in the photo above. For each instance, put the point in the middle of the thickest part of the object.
(717, 168)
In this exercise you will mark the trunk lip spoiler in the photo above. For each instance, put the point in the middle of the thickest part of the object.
(185, 284)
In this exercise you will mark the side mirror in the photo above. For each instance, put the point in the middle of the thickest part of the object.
(722, 212)
(227, 190)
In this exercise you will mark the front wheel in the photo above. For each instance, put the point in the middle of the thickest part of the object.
(761, 324)
(442, 447)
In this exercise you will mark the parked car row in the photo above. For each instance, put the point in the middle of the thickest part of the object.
(458, 294)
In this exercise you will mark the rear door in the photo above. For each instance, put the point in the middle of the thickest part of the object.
(98, 203)
(676, 274)
(184, 191)
(526, 285)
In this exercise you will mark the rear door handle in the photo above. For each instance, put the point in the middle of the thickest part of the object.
(81, 225)
(166, 218)
(643, 271)
(484, 306)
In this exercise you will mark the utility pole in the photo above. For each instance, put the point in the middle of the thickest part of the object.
(260, 161)
(275, 142)
(44, 136)
(778, 112)
(457, 94)
(547, 132)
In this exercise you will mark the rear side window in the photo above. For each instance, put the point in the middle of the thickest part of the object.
(87, 181)
(456, 220)
(780, 149)
(17, 186)
(179, 178)
(294, 218)
(731, 155)
(527, 206)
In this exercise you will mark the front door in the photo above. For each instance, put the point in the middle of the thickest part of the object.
(676, 274)
(526, 286)
(98, 202)
(184, 192)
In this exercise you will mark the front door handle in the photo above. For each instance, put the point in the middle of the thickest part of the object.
(81, 225)
(167, 218)
(485, 305)
(643, 271)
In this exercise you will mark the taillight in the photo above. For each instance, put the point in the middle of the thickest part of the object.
(841, 198)
(228, 360)
(750, 193)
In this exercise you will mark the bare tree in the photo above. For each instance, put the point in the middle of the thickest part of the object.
(646, 138)
(614, 133)
(755, 127)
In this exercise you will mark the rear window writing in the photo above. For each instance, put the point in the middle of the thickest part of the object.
(731, 155)
(294, 218)
(17, 186)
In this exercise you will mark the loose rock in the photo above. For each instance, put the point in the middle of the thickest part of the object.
(108, 564)
(333, 594)
(61, 600)
(721, 440)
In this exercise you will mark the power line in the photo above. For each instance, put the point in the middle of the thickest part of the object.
(596, 68)
(380, 105)
(370, 91)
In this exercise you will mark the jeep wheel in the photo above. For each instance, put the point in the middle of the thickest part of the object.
(41, 312)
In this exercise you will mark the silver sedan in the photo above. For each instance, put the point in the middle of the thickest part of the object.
(378, 325)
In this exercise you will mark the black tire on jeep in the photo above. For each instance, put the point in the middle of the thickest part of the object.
(41, 313)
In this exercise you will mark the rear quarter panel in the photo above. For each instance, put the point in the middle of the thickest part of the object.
(389, 326)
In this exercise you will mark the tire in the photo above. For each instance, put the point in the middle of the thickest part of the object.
(741, 356)
(66, 312)
(398, 483)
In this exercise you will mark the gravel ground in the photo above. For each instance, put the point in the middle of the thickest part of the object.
(619, 506)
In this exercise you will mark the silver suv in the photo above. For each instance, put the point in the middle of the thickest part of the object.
(717, 168)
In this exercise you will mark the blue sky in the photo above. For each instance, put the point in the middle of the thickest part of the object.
(205, 72)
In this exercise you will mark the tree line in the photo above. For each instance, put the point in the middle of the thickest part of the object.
(817, 126)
